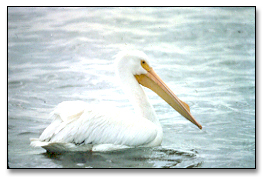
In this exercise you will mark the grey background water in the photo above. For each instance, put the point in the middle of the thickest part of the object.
(205, 55)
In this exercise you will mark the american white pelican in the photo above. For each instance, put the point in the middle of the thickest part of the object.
(79, 126)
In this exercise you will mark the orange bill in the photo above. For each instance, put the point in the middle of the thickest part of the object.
(152, 81)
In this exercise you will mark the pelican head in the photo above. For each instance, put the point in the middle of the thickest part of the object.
(130, 62)
(136, 64)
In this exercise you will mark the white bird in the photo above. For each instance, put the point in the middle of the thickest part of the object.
(79, 126)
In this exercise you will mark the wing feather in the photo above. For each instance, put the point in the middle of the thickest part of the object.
(80, 123)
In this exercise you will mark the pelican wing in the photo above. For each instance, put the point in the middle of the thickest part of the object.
(77, 122)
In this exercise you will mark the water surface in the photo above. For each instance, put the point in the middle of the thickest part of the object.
(205, 55)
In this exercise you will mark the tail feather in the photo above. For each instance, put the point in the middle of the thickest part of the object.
(57, 147)
(35, 142)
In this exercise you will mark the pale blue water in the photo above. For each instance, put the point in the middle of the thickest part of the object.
(205, 55)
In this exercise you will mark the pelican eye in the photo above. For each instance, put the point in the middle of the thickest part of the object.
(145, 65)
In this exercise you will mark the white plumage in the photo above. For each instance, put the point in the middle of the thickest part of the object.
(79, 126)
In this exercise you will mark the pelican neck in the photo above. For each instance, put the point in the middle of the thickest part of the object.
(138, 98)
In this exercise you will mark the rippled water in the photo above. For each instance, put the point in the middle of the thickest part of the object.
(205, 55)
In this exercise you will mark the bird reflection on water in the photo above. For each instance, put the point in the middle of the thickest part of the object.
(157, 157)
